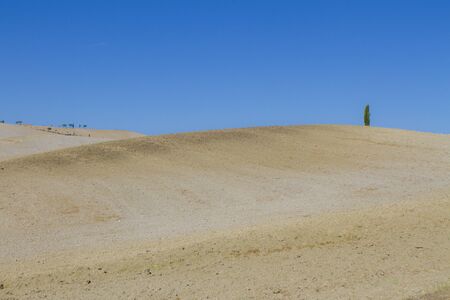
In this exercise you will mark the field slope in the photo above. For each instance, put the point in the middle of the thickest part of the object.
(21, 140)
(301, 212)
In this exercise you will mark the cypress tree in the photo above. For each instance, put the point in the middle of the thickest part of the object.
(367, 115)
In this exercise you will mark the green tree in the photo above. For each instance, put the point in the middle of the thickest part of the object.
(367, 115)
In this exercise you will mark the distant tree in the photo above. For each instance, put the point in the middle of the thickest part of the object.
(2, 121)
(72, 125)
(19, 122)
(64, 125)
(84, 126)
(367, 115)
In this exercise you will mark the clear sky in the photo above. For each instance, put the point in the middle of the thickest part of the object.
(168, 66)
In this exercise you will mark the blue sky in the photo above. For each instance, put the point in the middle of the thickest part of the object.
(169, 66)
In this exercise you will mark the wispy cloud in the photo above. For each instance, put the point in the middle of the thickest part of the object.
(97, 44)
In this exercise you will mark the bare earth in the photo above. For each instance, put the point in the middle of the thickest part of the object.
(17, 141)
(305, 212)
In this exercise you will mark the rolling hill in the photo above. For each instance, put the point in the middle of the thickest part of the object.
(21, 140)
(266, 212)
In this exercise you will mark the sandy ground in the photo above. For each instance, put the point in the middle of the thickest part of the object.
(20, 140)
(308, 212)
